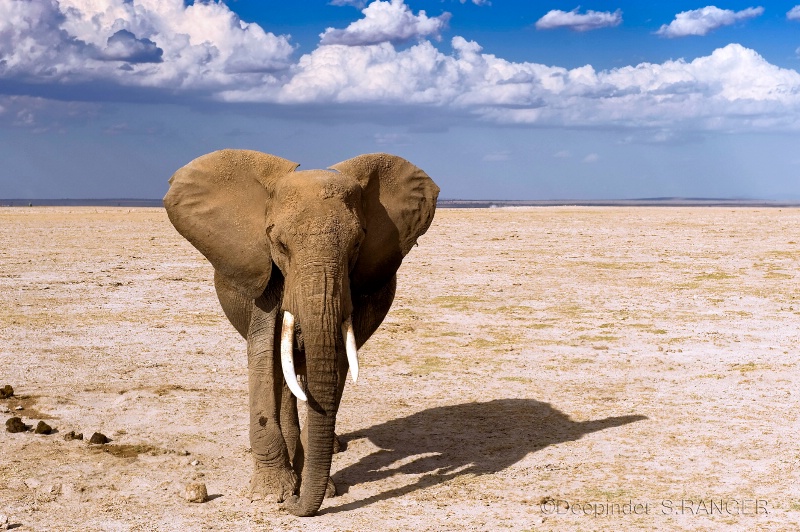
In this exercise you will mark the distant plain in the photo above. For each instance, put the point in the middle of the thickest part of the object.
(539, 365)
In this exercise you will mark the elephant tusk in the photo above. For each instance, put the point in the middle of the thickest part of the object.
(287, 356)
(350, 347)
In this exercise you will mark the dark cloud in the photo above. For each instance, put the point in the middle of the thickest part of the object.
(124, 46)
(353, 3)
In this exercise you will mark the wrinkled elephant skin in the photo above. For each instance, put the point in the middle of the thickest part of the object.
(305, 265)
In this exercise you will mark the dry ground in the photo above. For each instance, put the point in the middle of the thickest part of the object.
(538, 364)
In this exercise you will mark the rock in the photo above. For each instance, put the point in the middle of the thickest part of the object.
(196, 492)
(330, 489)
(195, 462)
(6, 391)
(15, 424)
(338, 445)
(19, 407)
(3, 522)
(32, 483)
(69, 436)
(43, 428)
(98, 439)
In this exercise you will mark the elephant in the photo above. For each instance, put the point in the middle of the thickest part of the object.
(305, 269)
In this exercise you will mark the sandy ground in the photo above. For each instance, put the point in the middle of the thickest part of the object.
(541, 369)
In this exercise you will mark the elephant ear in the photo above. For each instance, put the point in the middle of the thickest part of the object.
(399, 201)
(218, 203)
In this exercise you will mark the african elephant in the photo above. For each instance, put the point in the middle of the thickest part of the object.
(305, 266)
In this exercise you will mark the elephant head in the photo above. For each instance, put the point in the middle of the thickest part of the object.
(332, 237)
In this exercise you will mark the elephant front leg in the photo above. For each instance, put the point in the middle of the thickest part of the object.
(273, 477)
(290, 427)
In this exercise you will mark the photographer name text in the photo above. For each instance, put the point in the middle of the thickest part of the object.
(691, 507)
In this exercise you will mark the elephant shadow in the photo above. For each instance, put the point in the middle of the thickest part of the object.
(450, 441)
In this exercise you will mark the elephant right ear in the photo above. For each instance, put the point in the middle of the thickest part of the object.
(218, 203)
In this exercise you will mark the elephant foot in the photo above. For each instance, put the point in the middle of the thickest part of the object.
(272, 484)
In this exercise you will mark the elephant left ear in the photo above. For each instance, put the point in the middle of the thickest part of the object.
(399, 201)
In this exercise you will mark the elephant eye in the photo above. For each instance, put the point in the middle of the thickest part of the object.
(282, 247)
(278, 245)
(358, 243)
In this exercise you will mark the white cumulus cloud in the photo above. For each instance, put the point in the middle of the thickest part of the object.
(70, 50)
(478, 2)
(386, 21)
(794, 13)
(734, 87)
(150, 43)
(591, 20)
(704, 20)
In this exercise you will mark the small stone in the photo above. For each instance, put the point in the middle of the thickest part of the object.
(19, 407)
(43, 428)
(195, 462)
(3, 522)
(6, 391)
(15, 424)
(69, 436)
(338, 445)
(98, 439)
(196, 492)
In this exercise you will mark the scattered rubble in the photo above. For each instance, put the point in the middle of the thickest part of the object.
(69, 436)
(196, 492)
(338, 445)
(98, 439)
(15, 424)
(43, 428)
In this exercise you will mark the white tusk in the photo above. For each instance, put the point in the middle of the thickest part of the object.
(350, 347)
(287, 356)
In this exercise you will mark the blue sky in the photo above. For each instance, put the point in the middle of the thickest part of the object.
(494, 99)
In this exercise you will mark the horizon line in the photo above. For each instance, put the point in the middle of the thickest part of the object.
(445, 202)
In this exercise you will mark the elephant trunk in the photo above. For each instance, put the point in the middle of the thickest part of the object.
(319, 313)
